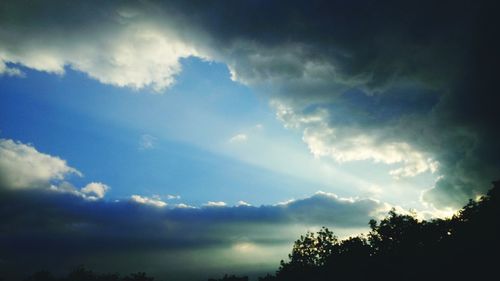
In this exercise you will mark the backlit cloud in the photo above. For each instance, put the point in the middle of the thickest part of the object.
(348, 144)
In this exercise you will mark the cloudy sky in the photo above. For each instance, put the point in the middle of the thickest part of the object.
(189, 139)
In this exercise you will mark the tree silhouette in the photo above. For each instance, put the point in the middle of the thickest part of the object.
(230, 278)
(402, 247)
(80, 273)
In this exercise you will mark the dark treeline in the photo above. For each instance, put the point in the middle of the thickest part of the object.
(399, 247)
(82, 274)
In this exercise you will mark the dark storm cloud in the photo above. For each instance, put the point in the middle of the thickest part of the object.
(365, 43)
(427, 70)
(415, 79)
(28, 213)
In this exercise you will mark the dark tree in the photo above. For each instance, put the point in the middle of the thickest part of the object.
(230, 278)
(401, 247)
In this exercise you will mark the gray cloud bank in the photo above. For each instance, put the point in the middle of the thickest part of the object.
(43, 229)
(405, 83)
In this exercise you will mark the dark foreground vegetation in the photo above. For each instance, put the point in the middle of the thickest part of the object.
(400, 247)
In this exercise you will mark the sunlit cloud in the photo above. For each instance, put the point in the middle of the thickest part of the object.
(23, 166)
(92, 191)
(215, 204)
(127, 50)
(148, 201)
(243, 203)
(96, 189)
(184, 206)
(346, 145)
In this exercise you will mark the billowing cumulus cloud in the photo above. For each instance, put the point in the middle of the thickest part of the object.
(243, 203)
(95, 189)
(116, 45)
(350, 144)
(22, 166)
(405, 83)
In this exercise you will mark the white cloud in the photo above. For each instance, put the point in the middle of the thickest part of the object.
(184, 206)
(147, 201)
(334, 197)
(147, 142)
(173, 197)
(96, 188)
(215, 204)
(122, 50)
(22, 166)
(92, 191)
(243, 203)
(239, 138)
(286, 202)
(323, 141)
(350, 144)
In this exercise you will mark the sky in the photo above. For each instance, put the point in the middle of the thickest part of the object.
(189, 139)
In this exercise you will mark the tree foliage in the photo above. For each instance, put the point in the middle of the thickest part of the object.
(402, 247)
